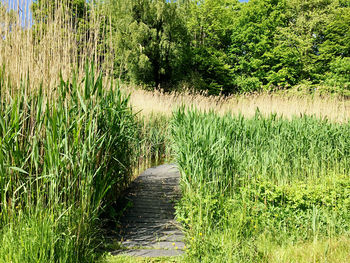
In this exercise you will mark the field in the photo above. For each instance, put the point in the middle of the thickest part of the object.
(265, 176)
(269, 185)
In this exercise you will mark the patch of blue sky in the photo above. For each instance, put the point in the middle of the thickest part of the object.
(23, 9)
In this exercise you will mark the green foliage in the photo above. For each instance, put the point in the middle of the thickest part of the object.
(210, 24)
(332, 193)
(62, 159)
(253, 44)
(265, 180)
(336, 35)
(220, 46)
(339, 75)
(335, 50)
(153, 41)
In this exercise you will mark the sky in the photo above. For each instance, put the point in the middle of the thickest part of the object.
(24, 9)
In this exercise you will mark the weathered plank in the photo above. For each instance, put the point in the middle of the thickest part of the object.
(149, 228)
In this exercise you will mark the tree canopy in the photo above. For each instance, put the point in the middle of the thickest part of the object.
(223, 46)
(150, 41)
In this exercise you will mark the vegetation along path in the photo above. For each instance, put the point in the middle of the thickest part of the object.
(149, 225)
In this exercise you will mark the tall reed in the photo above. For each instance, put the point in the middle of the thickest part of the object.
(253, 185)
(153, 144)
(62, 159)
(284, 104)
(51, 42)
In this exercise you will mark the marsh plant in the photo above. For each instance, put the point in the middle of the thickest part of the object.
(255, 186)
(62, 159)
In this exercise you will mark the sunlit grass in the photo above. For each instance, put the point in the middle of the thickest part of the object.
(248, 182)
(332, 250)
(287, 105)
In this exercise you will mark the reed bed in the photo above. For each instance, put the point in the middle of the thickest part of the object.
(42, 51)
(62, 160)
(153, 141)
(65, 158)
(70, 141)
(254, 186)
(286, 105)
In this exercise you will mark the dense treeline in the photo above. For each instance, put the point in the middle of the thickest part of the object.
(222, 45)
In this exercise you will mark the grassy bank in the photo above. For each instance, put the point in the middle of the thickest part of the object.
(262, 189)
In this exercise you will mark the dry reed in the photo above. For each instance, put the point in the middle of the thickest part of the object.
(157, 102)
(40, 52)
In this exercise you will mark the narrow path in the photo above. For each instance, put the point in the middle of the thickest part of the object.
(149, 226)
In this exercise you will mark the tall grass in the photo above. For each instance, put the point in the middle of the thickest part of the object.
(69, 143)
(56, 43)
(62, 159)
(254, 185)
(153, 144)
(287, 105)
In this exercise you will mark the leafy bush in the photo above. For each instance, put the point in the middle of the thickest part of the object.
(339, 76)
(248, 84)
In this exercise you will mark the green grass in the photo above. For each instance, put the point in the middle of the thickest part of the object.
(252, 187)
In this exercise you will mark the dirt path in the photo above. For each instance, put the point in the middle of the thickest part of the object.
(149, 226)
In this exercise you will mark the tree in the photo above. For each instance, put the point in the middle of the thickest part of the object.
(210, 25)
(252, 46)
(303, 35)
(335, 48)
(150, 41)
(336, 36)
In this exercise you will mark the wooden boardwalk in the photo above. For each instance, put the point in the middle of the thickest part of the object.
(149, 226)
